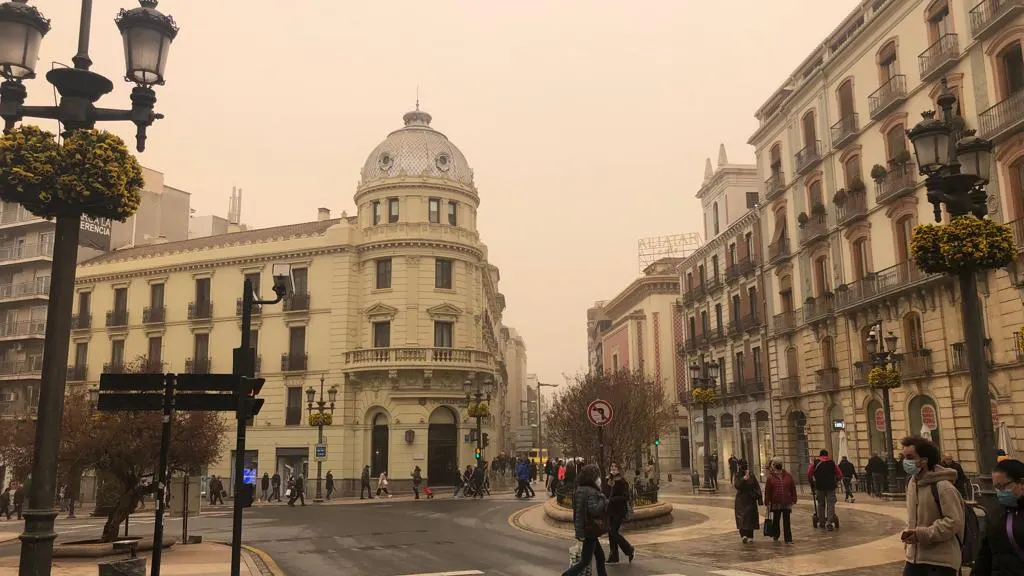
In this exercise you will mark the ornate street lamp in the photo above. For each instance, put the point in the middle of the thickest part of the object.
(883, 355)
(22, 27)
(321, 408)
(956, 174)
(704, 377)
(475, 395)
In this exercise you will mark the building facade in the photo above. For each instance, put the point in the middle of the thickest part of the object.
(596, 325)
(515, 360)
(641, 329)
(723, 318)
(397, 307)
(841, 199)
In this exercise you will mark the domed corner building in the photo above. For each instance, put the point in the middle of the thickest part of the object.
(397, 308)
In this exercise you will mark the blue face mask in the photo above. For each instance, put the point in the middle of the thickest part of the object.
(910, 467)
(1007, 498)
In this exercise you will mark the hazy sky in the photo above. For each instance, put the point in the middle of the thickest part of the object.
(586, 122)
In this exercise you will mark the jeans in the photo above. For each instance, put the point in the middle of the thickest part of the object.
(275, 494)
(927, 570)
(781, 519)
(416, 490)
(616, 540)
(365, 486)
(590, 551)
(266, 495)
(296, 495)
(714, 479)
(330, 490)
(826, 507)
(848, 488)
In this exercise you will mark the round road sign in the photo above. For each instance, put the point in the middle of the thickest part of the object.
(599, 412)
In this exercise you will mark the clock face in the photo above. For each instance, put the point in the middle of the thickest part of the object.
(385, 161)
(443, 162)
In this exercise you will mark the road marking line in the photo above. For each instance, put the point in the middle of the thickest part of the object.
(463, 573)
(735, 573)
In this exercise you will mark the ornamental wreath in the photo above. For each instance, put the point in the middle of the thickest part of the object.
(884, 378)
(91, 173)
(966, 243)
(479, 409)
(316, 419)
(703, 396)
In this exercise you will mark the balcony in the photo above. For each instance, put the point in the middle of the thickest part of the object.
(778, 250)
(789, 386)
(256, 308)
(751, 322)
(879, 284)
(916, 364)
(808, 157)
(38, 288)
(785, 322)
(739, 269)
(827, 379)
(197, 365)
(860, 373)
(694, 294)
(81, 322)
(23, 329)
(18, 215)
(202, 310)
(31, 366)
(154, 315)
(814, 229)
(820, 308)
(117, 319)
(844, 131)
(296, 303)
(775, 185)
(717, 335)
(294, 362)
(114, 367)
(423, 358)
(988, 15)
(26, 252)
(78, 373)
(958, 353)
(853, 208)
(713, 284)
(899, 181)
(938, 58)
(1003, 119)
(752, 385)
(888, 96)
(736, 327)
(152, 366)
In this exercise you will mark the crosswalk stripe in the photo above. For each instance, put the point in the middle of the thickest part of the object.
(462, 573)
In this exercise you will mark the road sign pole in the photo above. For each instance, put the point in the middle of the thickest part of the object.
(161, 482)
(600, 445)
(241, 394)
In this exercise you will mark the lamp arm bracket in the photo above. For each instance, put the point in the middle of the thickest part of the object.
(112, 115)
(44, 112)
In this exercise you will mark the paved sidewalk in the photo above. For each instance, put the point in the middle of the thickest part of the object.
(192, 560)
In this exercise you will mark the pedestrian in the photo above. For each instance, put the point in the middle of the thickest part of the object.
(935, 512)
(19, 499)
(549, 473)
(748, 498)
(1002, 547)
(480, 479)
(849, 472)
(523, 479)
(779, 499)
(330, 484)
(961, 478)
(219, 494)
(382, 484)
(298, 489)
(588, 518)
(275, 483)
(825, 477)
(733, 464)
(876, 472)
(265, 487)
(617, 491)
(714, 469)
(364, 483)
(5, 503)
(417, 479)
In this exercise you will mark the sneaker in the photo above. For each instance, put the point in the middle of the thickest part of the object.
(745, 539)
(830, 528)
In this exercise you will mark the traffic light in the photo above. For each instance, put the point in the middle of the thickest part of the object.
(251, 387)
(486, 440)
(657, 441)
(477, 454)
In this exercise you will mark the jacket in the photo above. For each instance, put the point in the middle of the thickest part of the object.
(417, 477)
(748, 496)
(265, 482)
(997, 555)
(847, 469)
(365, 477)
(780, 488)
(937, 537)
(522, 471)
(618, 497)
(825, 475)
(587, 500)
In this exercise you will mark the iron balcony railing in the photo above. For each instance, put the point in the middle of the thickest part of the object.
(197, 365)
(844, 130)
(778, 250)
(988, 14)
(958, 352)
(785, 321)
(23, 251)
(30, 365)
(890, 94)
(81, 322)
(916, 364)
(877, 284)
(853, 208)
(808, 157)
(114, 367)
(789, 386)
(899, 180)
(23, 328)
(815, 309)
(828, 379)
(775, 185)
(738, 269)
(38, 287)
(695, 293)
(713, 283)
(296, 303)
(256, 308)
(751, 321)
(938, 57)
(294, 362)
(753, 385)
(815, 228)
(201, 310)
(718, 334)
(78, 373)
(154, 314)
(1003, 117)
(117, 318)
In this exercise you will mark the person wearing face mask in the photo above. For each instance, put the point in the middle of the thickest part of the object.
(1002, 547)
(935, 512)
(779, 498)
(617, 490)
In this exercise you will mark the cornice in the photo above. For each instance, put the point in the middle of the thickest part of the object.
(716, 243)
(406, 182)
(638, 290)
(387, 244)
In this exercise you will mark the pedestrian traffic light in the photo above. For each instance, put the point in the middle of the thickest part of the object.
(477, 455)
(486, 440)
(657, 441)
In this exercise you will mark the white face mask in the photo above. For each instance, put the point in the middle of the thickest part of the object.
(598, 482)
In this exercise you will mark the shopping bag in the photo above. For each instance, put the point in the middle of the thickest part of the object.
(288, 493)
(574, 556)
(767, 529)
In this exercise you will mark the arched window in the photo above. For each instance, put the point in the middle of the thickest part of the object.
(888, 64)
(851, 170)
(714, 217)
(895, 142)
(810, 130)
(939, 21)
(1017, 188)
(913, 334)
(844, 97)
(814, 194)
(904, 232)
(775, 159)
(861, 261)
(786, 294)
(1011, 70)
(822, 285)
(792, 368)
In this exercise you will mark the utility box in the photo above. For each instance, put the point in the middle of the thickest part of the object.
(186, 488)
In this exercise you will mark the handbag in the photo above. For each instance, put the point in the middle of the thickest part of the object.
(288, 493)
(767, 527)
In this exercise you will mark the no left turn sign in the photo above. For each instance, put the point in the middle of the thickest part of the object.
(599, 412)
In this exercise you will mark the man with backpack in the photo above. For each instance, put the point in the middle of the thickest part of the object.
(824, 478)
(935, 513)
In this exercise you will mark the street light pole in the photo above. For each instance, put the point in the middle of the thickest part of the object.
(474, 395)
(882, 358)
(147, 36)
(540, 436)
(703, 377)
(321, 408)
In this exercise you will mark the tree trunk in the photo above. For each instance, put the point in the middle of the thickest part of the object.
(125, 505)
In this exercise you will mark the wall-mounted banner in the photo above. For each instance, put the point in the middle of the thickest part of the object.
(95, 233)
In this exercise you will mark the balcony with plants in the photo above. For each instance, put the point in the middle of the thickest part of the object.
(813, 227)
(896, 181)
(852, 204)
(892, 93)
(888, 282)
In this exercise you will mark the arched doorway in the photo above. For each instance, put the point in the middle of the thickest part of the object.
(831, 432)
(747, 440)
(798, 429)
(876, 428)
(924, 418)
(442, 447)
(763, 438)
(726, 449)
(379, 445)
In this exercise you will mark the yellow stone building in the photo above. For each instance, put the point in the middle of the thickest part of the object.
(834, 135)
(397, 307)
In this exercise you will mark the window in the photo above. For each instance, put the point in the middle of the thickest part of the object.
(814, 194)
(895, 141)
(254, 279)
(154, 354)
(689, 281)
(705, 326)
(904, 233)
(810, 131)
(383, 273)
(752, 296)
(84, 304)
(715, 272)
(755, 352)
(913, 333)
(888, 67)
(254, 339)
(735, 308)
(81, 355)
(844, 97)
(444, 334)
(117, 353)
(693, 328)
(714, 217)
(156, 296)
(453, 213)
(392, 210)
(860, 258)
(821, 276)
(732, 253)
(443, 274)
(300, 280)
(752, 200)
(718, 316)
(297, 341)
(852, 170)
(828, 355)
(786, 300)
(939, 22)
(721, 377)
(120, 301)
(202, 347)
(702, 275)
(376, 212)
(749, 240)
(775, 158)
(202, 297)
(738, 374)
(615, 362)
(434, 210)
(382, 334)
(293, 412)
(1012, 61)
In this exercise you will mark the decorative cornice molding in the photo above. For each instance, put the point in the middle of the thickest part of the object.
(389, 244)
(638, 290)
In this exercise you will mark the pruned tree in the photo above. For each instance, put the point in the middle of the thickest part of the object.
(17, 439)
(641, 414)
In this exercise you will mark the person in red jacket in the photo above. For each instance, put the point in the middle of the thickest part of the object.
(779, 498)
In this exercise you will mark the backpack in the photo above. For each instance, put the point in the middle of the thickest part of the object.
(974, 530)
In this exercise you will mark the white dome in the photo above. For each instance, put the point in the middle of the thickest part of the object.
(417, 150)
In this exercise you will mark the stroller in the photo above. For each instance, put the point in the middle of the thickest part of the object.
(817, 519)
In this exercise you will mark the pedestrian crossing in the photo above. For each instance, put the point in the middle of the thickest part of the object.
(479, 573)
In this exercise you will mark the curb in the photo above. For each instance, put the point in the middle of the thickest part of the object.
(268, 564)
(6, 540)
(515, 522)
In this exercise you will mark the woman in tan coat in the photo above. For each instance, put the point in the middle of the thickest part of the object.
(935, 512)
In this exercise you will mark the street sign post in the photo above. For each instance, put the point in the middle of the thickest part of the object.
(320, 452)
(600, 413)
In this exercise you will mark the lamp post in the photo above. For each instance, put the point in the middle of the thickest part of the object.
(147, 35)
(540, 428)
(704, 377)
(475, 394)
(884, 358)
(955, 176)
(322, 407)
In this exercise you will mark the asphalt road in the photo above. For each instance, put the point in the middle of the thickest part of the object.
(441, 537)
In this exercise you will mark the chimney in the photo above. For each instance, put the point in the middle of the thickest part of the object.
(323, 214)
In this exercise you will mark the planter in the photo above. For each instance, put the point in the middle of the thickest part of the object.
(657, 514)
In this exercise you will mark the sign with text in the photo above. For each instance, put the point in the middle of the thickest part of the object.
(320, 452)
(95, 233)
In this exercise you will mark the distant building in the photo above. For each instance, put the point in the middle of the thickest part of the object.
(515, 360)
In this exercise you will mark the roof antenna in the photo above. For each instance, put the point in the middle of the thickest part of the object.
(417, 98)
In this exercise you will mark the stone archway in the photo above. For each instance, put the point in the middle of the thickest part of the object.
(442, 447)
(801, 449)
(379, 442)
